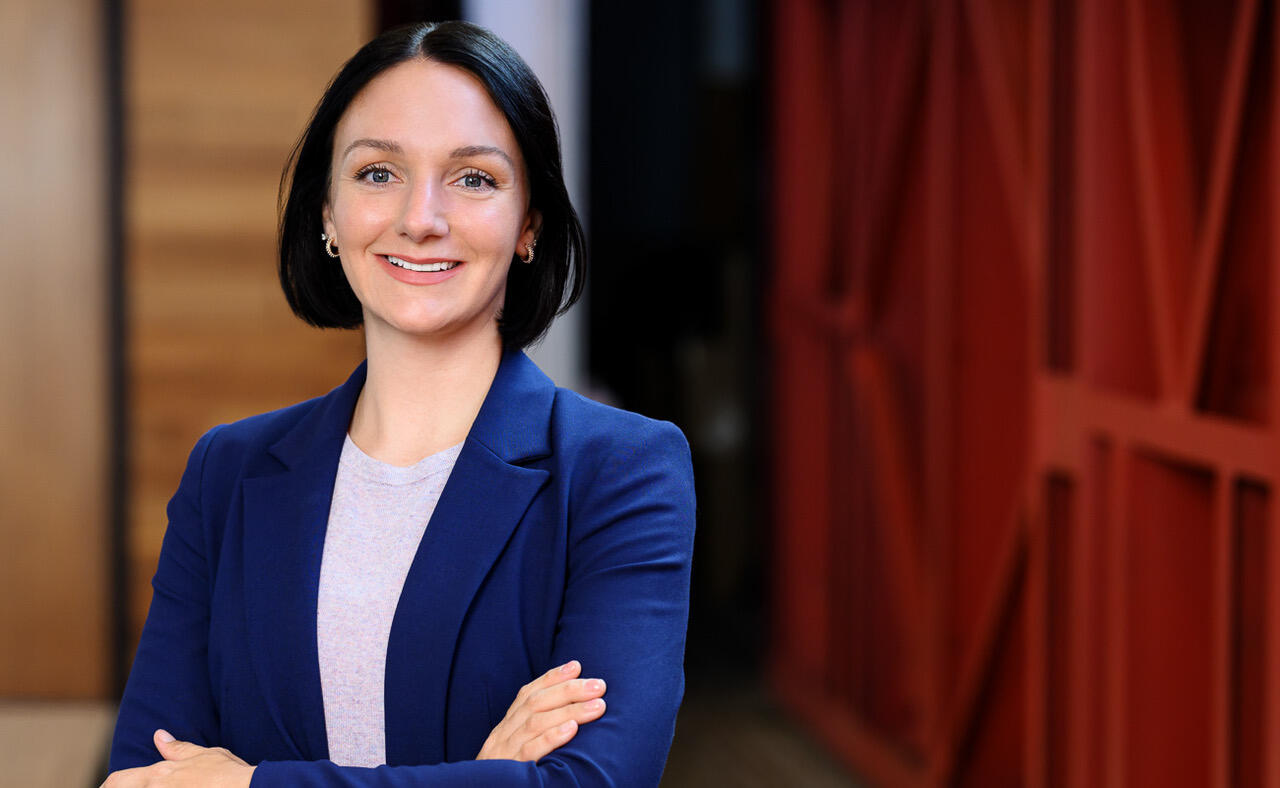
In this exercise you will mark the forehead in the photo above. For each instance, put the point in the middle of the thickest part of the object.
(426, 107)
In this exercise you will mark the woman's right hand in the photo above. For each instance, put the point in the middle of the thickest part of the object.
(545, 715)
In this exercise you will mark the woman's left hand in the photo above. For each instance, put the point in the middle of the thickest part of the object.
(185, 764)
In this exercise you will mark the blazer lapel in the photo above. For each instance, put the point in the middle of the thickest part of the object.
(285, 518)
(485, 498)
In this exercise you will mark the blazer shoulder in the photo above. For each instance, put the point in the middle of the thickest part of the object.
(589, 428)
(231, 443)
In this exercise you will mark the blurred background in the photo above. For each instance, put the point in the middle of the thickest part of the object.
(965, 306)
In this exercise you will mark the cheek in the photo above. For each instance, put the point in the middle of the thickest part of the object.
(498, 225)
(356, 218)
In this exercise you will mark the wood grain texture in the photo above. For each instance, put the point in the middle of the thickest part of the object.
(217, 93)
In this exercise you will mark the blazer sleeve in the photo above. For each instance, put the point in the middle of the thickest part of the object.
(169, 685)
(624, 617)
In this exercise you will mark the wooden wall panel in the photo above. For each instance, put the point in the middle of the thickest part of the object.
(1027, 440)
(217, 93)
(53, 399)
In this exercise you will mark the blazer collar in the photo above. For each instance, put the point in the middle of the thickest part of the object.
(513, 422)
(285, 518)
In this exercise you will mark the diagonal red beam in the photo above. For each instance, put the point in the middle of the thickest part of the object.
(888, 145)
(1157, 184)
(980, 660)
(1002, 117)
(1208, 252)
(896, 494)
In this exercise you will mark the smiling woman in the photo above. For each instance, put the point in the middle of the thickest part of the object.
(441, 211)
(432, 574)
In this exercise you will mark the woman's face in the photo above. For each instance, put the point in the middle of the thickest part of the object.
(428, 201)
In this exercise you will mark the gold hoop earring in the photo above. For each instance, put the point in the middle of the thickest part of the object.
(330, 245)
(529, 247)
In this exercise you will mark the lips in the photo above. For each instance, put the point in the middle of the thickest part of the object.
(431, 267)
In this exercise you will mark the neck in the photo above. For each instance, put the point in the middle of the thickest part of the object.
(421, 395)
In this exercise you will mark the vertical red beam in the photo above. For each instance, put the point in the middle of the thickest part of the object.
(1039, 158)
(939, 319)
(1271, 679)
(801, 131)
(1088, 577)
(1273, 298)
(1223, 653)
(1271, 709)
(1116, 687)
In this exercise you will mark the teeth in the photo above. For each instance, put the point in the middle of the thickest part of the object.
(420, 268)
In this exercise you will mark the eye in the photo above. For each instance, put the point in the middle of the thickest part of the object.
(374, 173)
(477, 180)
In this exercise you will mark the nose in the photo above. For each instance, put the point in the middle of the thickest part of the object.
(423, 215)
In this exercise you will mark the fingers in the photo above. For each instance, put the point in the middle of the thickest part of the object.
(579, 713)
(548, 742)
(556, 675)
(546, 714)
(565, 693)
(171, 749)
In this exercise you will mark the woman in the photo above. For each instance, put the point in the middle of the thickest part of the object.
(307, 623)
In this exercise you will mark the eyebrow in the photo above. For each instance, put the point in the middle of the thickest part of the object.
(366, 142)
(480, 150)
(464, 152)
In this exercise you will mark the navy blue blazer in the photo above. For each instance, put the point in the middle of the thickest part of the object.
(565, 531)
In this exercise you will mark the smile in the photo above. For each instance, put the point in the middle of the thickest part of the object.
(421, 268)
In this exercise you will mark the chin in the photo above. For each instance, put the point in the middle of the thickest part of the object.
(445, 329)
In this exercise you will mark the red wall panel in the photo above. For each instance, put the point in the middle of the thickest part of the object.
(1026, 420)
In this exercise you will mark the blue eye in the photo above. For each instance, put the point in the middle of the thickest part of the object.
(477, 181)
(374, 174)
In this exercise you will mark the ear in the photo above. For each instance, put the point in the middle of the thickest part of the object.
(532, 227)
(326, 220)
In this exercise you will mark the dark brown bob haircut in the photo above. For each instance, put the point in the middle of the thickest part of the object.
(314, 284)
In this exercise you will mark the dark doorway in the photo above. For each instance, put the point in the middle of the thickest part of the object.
(676, 259)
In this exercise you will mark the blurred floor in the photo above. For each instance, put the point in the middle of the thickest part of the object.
(53, 744)
(736, 736)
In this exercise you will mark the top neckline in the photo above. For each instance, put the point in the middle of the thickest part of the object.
(375, 470)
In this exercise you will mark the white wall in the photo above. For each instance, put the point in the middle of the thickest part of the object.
(551, 35)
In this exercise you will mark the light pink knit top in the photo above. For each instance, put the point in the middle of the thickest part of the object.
(376, 520)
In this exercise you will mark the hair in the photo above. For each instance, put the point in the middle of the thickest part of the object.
(317, 289)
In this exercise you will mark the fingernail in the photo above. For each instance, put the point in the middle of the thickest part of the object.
(568, 727)
(595, 685)
(595, 705)
(164, 736)
(568, 666)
